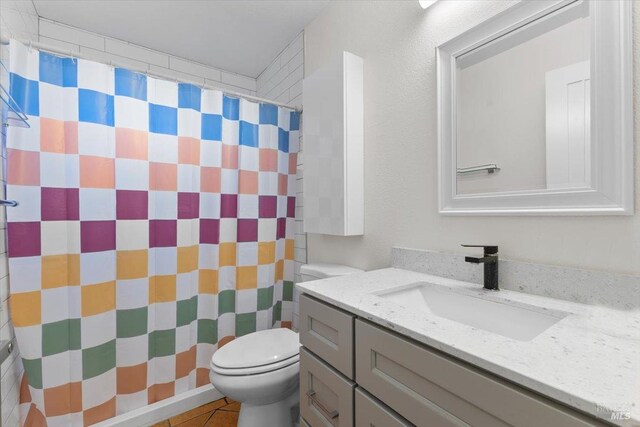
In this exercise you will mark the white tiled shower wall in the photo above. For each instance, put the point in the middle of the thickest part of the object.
(18, 19)
(11, 369)
(282, 82)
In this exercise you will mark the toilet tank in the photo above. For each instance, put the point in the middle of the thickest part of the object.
(322, 271)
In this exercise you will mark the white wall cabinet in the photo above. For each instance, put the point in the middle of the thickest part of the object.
(333, 188)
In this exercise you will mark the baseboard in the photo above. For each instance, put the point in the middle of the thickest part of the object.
(164, 409)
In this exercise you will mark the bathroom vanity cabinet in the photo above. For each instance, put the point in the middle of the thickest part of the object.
(356, 373)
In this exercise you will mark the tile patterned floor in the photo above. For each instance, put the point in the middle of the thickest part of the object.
(219, 413)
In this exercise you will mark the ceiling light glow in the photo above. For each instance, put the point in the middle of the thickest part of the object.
(426, 3)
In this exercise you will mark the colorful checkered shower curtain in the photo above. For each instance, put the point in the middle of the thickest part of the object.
(155, 224)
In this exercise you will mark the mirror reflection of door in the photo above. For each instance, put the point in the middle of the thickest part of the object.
(568, 126)
(522, 104)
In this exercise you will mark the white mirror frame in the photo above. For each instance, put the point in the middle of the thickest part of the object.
(611, 191)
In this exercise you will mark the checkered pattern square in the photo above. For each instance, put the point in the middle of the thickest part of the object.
(155, 225)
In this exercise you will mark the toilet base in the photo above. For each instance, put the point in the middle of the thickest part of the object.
(281, 413)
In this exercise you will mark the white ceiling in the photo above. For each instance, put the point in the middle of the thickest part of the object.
(243, 36)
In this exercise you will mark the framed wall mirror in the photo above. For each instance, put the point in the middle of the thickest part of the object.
(535, 113)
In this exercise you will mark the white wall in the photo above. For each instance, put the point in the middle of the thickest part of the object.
(282, 82)
(397, 41)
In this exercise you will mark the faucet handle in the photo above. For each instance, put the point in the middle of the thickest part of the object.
(488, 249)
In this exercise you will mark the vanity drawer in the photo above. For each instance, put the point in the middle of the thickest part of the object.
(429, 388)
(326, 398)
(328, 332)
(372, 413)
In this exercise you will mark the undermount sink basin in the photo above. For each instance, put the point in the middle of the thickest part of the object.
(520, 322)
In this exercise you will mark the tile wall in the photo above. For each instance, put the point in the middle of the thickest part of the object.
(282, 82)
(18, 19)
(105, 49)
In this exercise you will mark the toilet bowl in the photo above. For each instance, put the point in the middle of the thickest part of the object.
(260, 370)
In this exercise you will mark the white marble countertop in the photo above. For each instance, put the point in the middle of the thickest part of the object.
(589, 360)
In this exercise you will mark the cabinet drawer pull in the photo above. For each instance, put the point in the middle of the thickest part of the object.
(330, 415)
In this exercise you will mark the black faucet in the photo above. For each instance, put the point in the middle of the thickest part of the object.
(490, 261)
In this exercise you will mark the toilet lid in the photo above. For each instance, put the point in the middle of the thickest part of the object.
(258, 349)
(293, 360)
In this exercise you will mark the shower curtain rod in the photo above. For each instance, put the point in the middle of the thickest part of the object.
(70, 54)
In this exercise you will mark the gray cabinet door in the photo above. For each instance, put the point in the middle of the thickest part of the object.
(328, 332)
(370, 412)
(326, 397)
(429, 388)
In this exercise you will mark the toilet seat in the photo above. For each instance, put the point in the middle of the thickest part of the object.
(257, 353)
(255, 370)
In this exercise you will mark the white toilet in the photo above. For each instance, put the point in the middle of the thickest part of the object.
(260, 370)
